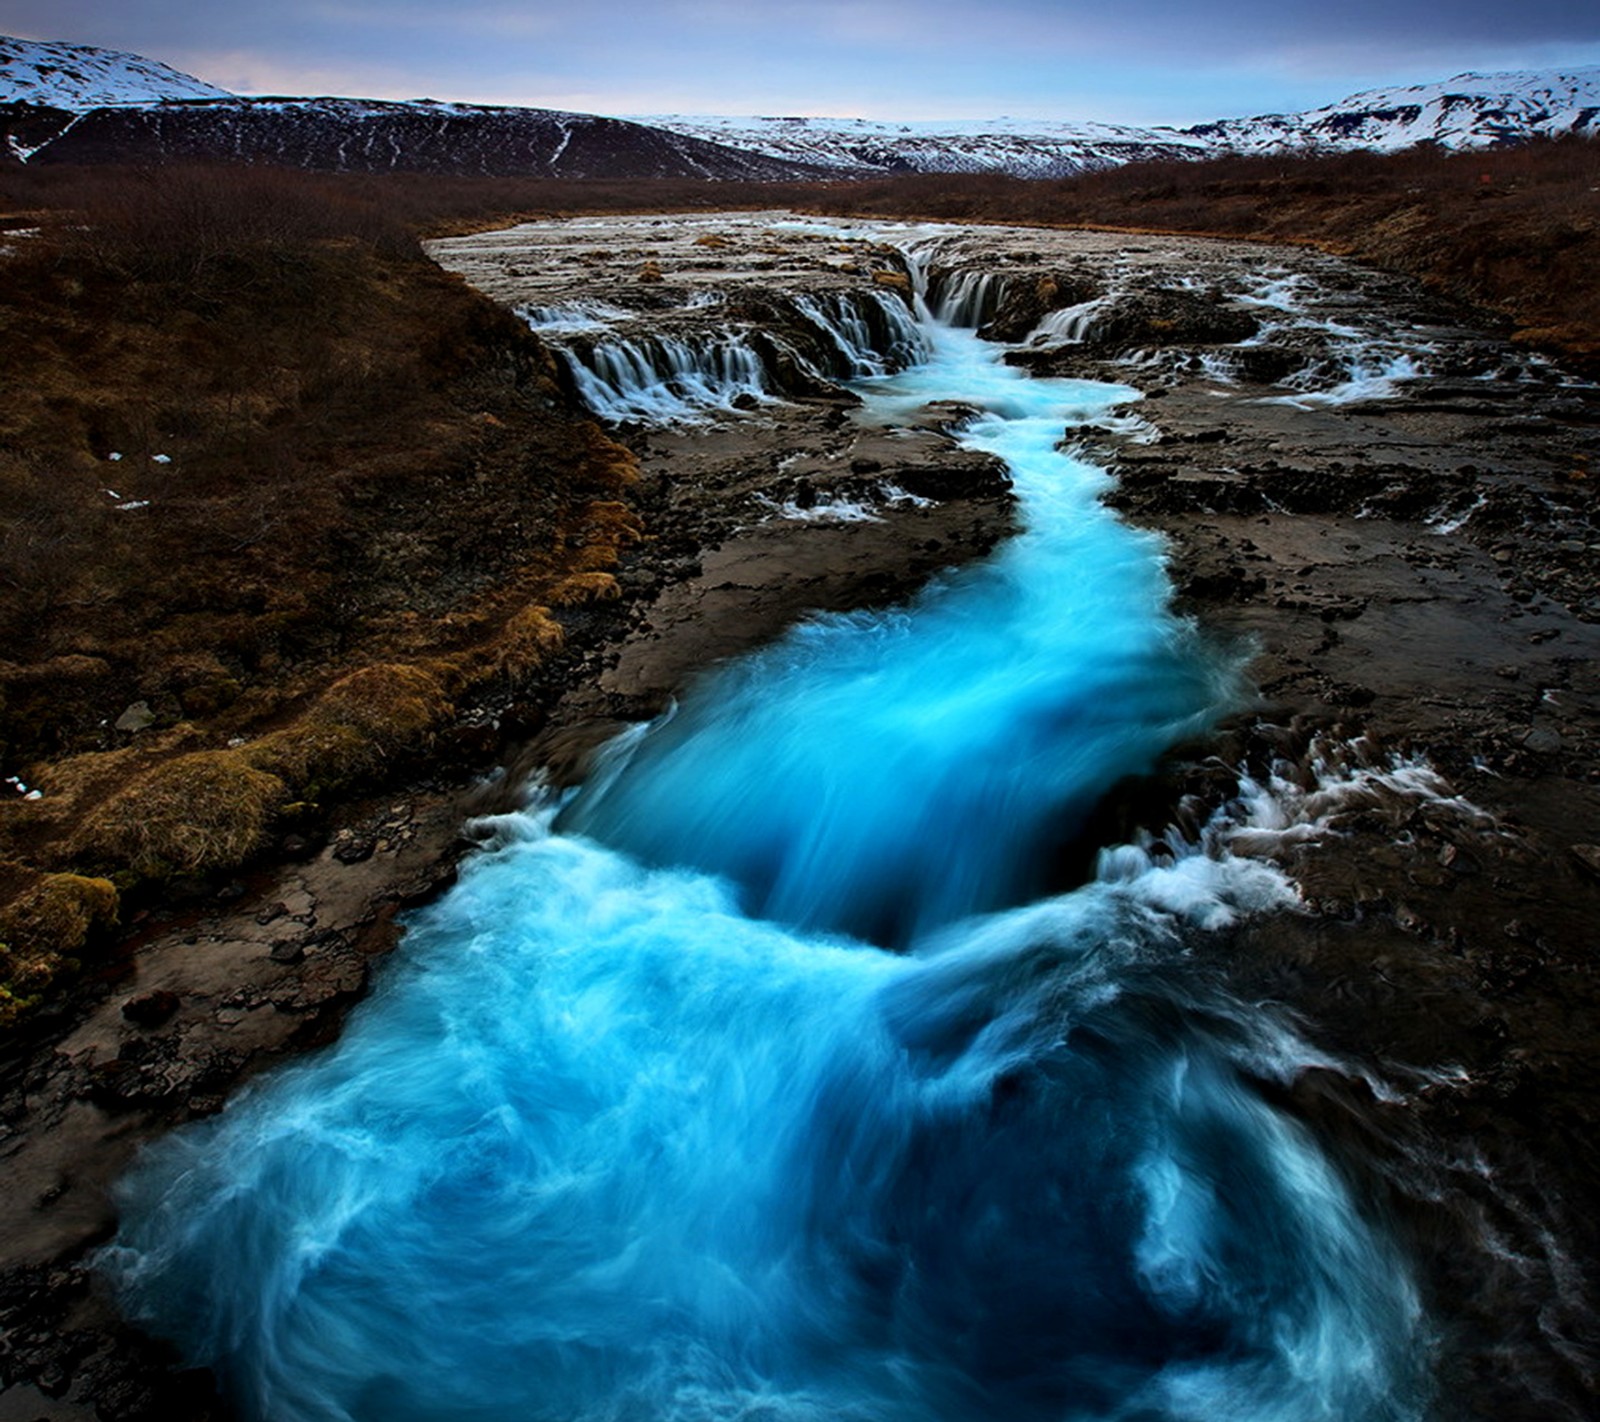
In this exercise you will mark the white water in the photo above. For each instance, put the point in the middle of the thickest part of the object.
(969, 298)
(634, 1131)
(661, 378)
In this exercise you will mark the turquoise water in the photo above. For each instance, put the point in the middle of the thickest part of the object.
(645, 1122)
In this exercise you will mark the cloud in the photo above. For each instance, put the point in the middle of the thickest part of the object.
(1139, 60)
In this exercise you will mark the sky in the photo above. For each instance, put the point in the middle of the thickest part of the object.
(1126, 61)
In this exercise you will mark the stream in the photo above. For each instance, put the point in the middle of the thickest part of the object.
(769, 1075)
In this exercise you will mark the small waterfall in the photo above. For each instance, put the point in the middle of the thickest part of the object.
(967, 298)
(1068, 326)
(665, 379)
(874, 333)
(571, 317)
(662, 379)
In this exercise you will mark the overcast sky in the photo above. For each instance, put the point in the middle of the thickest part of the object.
(1136, 61)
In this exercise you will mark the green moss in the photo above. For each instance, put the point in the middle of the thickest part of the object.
(43, 931)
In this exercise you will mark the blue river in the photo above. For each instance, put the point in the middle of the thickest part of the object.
(768, 1077)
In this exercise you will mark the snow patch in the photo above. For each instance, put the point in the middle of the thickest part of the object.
(79, 77)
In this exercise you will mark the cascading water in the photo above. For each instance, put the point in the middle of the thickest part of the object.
(634, 1130)
(873, 333)
(967, 298)
(658, 378)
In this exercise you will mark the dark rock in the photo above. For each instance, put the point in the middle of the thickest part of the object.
(1542, 740)
(353, 850)
(986, 480)
(137, 717)
(1168, 318)
(1025, 303)
(151, 1009)
(1587, 855)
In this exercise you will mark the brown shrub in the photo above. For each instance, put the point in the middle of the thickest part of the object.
(42, 930)
(205, 811)
(354, 728)
(585, 587)
(527, 639)
(392, 706)
(313, 758)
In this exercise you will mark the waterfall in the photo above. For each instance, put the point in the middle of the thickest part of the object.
(967, 298)
(567, 318)
(669, 378)
(874, 333)
(660, 379)
(1068, 326)
(643, 1122)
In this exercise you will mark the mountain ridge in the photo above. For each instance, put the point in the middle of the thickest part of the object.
(76, 103)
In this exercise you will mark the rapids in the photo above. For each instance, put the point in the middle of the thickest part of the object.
(645, 1122)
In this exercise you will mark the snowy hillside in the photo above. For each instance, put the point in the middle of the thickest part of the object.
(79, 77)
(1468, 111)
(1026, 148)
(383, 136)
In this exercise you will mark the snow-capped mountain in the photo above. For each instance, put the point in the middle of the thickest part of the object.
(382, 136)
(70, 103)
(1026, 148)
(77, 104)
(78, 77)
(1468, 111)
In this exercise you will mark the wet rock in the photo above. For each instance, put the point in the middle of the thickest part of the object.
(1160, 318)
(1025, 303)
(350, 848)
(1266, 365)
(981, 479)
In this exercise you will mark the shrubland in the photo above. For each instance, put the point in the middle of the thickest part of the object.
(278, 499)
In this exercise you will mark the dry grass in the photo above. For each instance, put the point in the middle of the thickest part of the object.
(49, 920)
(201, 812)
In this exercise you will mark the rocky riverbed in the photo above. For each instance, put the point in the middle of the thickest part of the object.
(1393, 512)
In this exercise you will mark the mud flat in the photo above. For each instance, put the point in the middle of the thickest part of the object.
(1394, 514)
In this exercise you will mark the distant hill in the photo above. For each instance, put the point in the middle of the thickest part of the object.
(76, 77)
(1025, 148)
(416, 136)
(1469, 111)
(63, 103)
